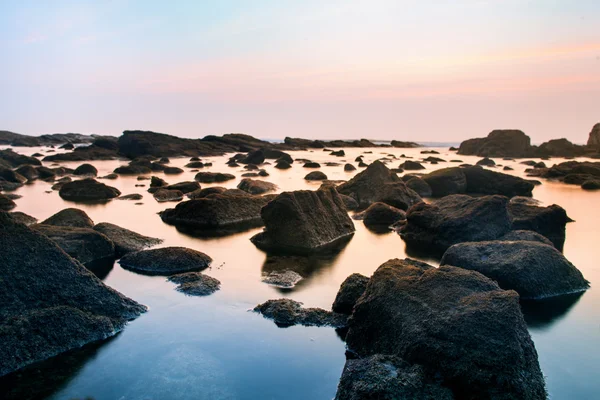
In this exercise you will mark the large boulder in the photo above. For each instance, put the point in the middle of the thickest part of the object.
(446, 181)
(304, 221)
(87, 190)
(165, 261)
(378, 184)
(87, 246)
(256, 186)
(548, 221)
(28, 171)
(532, 269)
(594, 138)
(315, 176)
(125, 241)
(457, 324)
(560, 148)
(455, 219)
(50, 303)
(9, 175)
(499, 143)
(72, 217)
(350, 291)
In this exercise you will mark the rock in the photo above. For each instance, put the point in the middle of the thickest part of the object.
(507, 168)
(349, 168)
(27, 171)
(254, 186)
(315, 176)
(22, 218)
(420, 186)
(157, 182)
(534, 270)
(263, 173)
(283, 279)
(164, 160)
(287, 312)
(591, 185)
(446, 181)
(165, 261)
(133, 196)
(339, 153)
(195, 164)
(45, 173)
(304, 221)
(201, 193)
(86, 169)
(380, 216)
(217, 214)
(388, 377)
(448, 319)
(6, 203)
(456, 219)
(125, 241)
(132, 170)
(411, 166)
(486, 162)
(184, 187)
(65, 309)
(195, 283)
(67, 146)
(282, 164)
(350, 291)
(548, 221)
(83, 244)
(110, 176)
(172, 170)
(12, 176)
(162, 195)
(530, 236)
(87, 190)
(560, 148)
(378, 184)
(499, 143)
(72, 217)
(349, 202)
(483, 181)
(594, 138)
(15, 160)
(311, 164)
(255, 157)
(212, 177)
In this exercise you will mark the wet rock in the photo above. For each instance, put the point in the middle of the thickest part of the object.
(184, 187)
(6, 203)
(420, 186)
(507, 168)
(212, 177)
(378, 184)
(388, 377)
(65, 309)
(282, 164)
(155, 181)
(486, 162)
(523, 235)
(534, 270)
(349, 168)
(195, 283)
(163, 195)
(22, 218)
(87, 190)
(72, 217)
(349, 202)
(560, 148)
(311, 164)
(172, 170)
(591, 184)
(287, 312)
(456, 219)
(283, 279)
(12, 176)
(411, 165)
(110, 176)
(85, 169)
(254, 186)
(304, 221)
(447, 320)
(263, 173)
(125, 241)
(315, 176)
(27, 171)
(83, 244)
(165, 261)
(548, 221)
(133, 196)
(350, 291)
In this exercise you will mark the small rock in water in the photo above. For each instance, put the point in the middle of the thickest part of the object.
(284, 279)
(195, 283)
(287, 312)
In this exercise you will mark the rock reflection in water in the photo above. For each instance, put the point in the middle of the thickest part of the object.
(542, 314)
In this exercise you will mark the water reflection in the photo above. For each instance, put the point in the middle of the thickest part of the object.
(542, 314)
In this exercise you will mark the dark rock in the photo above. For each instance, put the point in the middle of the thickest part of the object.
(110, 176)
(378, 184)
(402, 144)
(315, 176)
(486, 162)
(448, 319)
(277, 155)
(65, 309)
(594, 137)
(282, 164)
(349, 168)
(195, 164)
(184, 187)
(133, 196)
(304, 221)
(212, 177)
(11, 176)
(6, 203)
(201, 193)
(446, 181)
(548, 221)
(339, 153)
(311, 164)
(507, 168)
(263, 173)
(499, 143)
(125, 241)
(456, 219)
(22, 218)
(380, 215)
(420, 186)
(132, 170)
(87, 190)
(165, 261)
(255, 157)
(15, 160)
(195, 283)
(532, 269)
(67, 146)
(27, 171)
(349, 202)
(591, 185)
(350, 291)
(164, 160)
(172, 170)
(85, 169)
(72, 217)
(561, 148)
(522, 235)
(287, 312)
(157, 182)
(411, 165)
(254, 186)
(46, 174)
(483, 181)
(162, 195)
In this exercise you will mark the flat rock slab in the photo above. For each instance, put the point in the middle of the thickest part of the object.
(165, 261)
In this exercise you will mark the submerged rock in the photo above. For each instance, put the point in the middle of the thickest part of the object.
(133, 196)
(195, 283)
(350, 291)
(534, 270)
(304, 221)
(66, 308)
(87, 190)
(255, 186)
(448, 320)
(287, 312)
(378, 184)
(72, 217)
(125, 241)
(165, 261)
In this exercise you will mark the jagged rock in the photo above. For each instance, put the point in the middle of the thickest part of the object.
(165, 261)
(287, 312)
(65, 309)
(87, 190)
(315, 176)
(448, 319)
(304, 221)
(534, 270)
(85, 169)
(125, 241)
(254, 186)
(212, 177)
(195, 283)
(72, 217)
(350, 291)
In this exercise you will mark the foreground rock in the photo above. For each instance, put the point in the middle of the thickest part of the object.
(125, 241)
(66, 308)
(534, 270)
(304, 221)
(88, 190)
(448, 320)
(72, 217)
(195, 283)
(456, 219)
(255, 186)
(350, 291)
(166, 261)
(287, 312)
(378, 184)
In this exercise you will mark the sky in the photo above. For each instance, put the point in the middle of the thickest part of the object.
(422, 70)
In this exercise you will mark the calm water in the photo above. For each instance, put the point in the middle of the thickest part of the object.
(215, 348)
